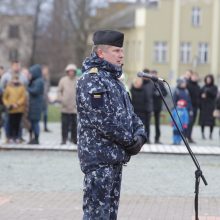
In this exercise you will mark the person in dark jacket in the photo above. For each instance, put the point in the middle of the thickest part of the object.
(139, 99)
(194, 92)
(148, 87)
(36, 92)
(181, 92)
(157, 107)
(46, 79)
(109, 131)
(217, 107)
(207, 105)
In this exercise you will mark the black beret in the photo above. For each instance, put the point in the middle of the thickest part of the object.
(108, 37)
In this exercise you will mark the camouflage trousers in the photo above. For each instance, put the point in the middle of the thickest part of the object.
(102, 193)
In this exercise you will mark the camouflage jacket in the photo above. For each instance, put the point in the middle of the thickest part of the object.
(106, 120)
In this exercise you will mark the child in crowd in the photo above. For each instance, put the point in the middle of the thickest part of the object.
(14, 99)
(182, 111)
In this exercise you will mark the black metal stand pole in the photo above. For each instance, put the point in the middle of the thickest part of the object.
(198, 172)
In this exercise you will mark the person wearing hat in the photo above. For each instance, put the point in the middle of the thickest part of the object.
(35, 90)
(14, 99)
(67, 98)
(109, 132)
(181, 116)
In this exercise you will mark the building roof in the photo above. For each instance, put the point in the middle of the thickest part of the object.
(122, 19)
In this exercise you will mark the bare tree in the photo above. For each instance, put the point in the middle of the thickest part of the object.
(78, 12)
(35, 30)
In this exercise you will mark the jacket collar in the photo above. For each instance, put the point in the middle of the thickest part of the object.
(101, 64)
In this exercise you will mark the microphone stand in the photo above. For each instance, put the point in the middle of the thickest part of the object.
(198, 172)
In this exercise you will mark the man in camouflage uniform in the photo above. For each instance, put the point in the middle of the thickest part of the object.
(108, 130)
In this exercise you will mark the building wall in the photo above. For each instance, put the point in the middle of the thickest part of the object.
(159, 28)
(22, 43)
(195, 35)
(171, 22)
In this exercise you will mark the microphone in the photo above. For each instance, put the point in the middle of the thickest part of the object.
(150, 76)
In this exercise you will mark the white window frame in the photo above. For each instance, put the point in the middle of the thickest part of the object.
(203, 52)
(185, 52)
(160, 52)
(196, 16)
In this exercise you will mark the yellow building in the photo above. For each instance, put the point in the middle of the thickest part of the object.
(170, 36)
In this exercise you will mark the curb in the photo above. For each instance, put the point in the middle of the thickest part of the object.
(150, 148)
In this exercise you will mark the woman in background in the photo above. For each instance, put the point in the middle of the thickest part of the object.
(207, 105)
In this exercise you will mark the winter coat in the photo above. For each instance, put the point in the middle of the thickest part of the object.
(207, 105)
(67, 94)
(194, 92)
(182, 116)
(149, 89)
(139, 99)
(106, 120)
(14, 95)
(157, 100)
(46, 92)
(218, 103)
(36, 91)
(181, 93)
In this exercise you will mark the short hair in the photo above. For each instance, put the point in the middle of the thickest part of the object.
(211, 77)
(154, 71)
(14, 61)
(100, 46)
(146, 70)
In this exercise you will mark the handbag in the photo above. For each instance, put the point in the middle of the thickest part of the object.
(216, 113)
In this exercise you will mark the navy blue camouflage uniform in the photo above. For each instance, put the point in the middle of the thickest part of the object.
(107, 124)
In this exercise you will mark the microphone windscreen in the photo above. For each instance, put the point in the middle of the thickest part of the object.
(140, 74)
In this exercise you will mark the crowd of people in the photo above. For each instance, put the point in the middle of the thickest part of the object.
(24, 102)
(24, 99)
(189, 98)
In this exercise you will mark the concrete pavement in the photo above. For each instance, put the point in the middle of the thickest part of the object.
(47, 185)
(51, 141)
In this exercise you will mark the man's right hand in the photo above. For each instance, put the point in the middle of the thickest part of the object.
(136, 146)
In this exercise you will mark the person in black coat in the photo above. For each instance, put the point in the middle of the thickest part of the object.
(217, 107)
(157, 107)
(194, 92)
(140, 102)
(148, 102)
(207, 105)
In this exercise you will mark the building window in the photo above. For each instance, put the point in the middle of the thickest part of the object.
(13, 31)
(196, 16)
(152, 3)
(203, 53)
(185, 52)
(160, 52)
(13, 54)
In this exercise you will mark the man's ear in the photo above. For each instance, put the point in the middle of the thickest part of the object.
(100, 53)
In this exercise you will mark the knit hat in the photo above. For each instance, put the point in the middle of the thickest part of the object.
(70, 67)
(180, 81)
(182, 103)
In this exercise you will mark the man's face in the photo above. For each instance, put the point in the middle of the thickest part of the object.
(45, 71)
(15, 67)
(71, 73)
(194, 78)
(112, 54)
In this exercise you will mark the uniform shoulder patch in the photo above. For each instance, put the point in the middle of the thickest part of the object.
(93, 70)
